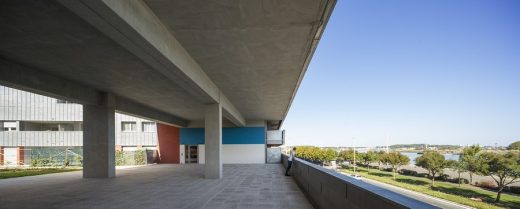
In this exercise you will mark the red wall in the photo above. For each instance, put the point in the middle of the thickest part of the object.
(169, 143)
(20, 155)
(1, 155)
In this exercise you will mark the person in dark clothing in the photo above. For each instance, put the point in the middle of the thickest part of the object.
(290, 160)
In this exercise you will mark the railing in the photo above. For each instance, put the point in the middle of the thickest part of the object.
(329, 189)
(70, 138)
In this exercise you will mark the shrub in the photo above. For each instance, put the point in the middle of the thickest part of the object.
(140, 157)
(456, 180)
(34, 162)
(120, 157)
(344, 166)
(79, 160)
(443, 177)
(407, 172)
(423, 175)
(513, 189)
(486, 184)
(40, 162)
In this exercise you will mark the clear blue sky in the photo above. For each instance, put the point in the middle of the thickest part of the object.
(437, 72)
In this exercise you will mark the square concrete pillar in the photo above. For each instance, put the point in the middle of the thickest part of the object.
(213, 141)
(99, 139)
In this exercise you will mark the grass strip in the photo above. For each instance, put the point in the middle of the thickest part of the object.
(20, 172)
(444, 190)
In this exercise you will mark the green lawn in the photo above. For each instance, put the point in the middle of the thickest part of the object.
(444, 190)
(6, 173)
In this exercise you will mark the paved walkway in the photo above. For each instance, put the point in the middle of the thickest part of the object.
(158, 186)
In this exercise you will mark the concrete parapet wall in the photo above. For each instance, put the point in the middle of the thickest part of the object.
(329, 189)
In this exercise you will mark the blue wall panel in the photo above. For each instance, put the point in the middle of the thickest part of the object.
(246, 135)
(192, 136)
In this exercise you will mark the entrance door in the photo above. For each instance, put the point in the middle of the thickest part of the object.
(191, 154)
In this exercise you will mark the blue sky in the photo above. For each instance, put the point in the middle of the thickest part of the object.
(437, 72)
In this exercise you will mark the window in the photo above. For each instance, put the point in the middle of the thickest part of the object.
(9, 126)
(128, 126)
(50, 126)
(61, 101)
(148, 127)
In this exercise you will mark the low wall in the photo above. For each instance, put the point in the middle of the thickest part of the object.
(328, 189)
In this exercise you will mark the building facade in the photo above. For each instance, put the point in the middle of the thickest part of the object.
(33, 126)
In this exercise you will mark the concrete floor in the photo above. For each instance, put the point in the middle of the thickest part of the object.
(158, 186)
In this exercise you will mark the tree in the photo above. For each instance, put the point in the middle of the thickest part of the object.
(316, 154)
(459, 166)
(514, 146)
(308, 153)
(346, 155)
(380, 157)
(471, 159)
(395, 160)
(432, 161)
(503, 168)
(368, 158)
(327, 155)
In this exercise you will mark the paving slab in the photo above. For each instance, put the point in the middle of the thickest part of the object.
(158, 186)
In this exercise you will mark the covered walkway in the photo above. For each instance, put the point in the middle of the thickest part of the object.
(158, 186)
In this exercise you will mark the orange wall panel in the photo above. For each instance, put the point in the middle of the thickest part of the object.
(1, 155)
(169, 143)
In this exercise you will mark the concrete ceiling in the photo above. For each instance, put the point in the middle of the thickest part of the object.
(255, 52)
(47, 36)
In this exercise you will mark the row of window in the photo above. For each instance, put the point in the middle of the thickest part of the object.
(126, 126)
(8, 126)
(131, 126)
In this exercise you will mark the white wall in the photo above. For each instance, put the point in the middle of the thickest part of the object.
(234, 154)
(181, 153)
(243, 153)
(202, 154)
(10, 156)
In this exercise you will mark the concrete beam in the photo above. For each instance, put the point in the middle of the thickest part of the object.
(132, 108)
(134, 26)
(29, 79)
(32, 80)
(213, 141)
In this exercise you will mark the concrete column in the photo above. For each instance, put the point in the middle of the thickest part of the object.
(213, 138)
(99, 139)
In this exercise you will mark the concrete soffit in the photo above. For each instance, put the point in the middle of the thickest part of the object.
(134, 26)
(32, 80)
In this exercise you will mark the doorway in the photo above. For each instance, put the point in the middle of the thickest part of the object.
(191, 153)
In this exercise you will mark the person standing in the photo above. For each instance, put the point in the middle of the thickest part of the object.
(289, 161)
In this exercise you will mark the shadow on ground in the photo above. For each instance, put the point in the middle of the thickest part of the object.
(412, 181)
(472, 194)
(381, 174)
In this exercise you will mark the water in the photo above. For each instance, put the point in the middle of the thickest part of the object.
(413, 155)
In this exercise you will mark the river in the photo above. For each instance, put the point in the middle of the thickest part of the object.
(413, 155)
